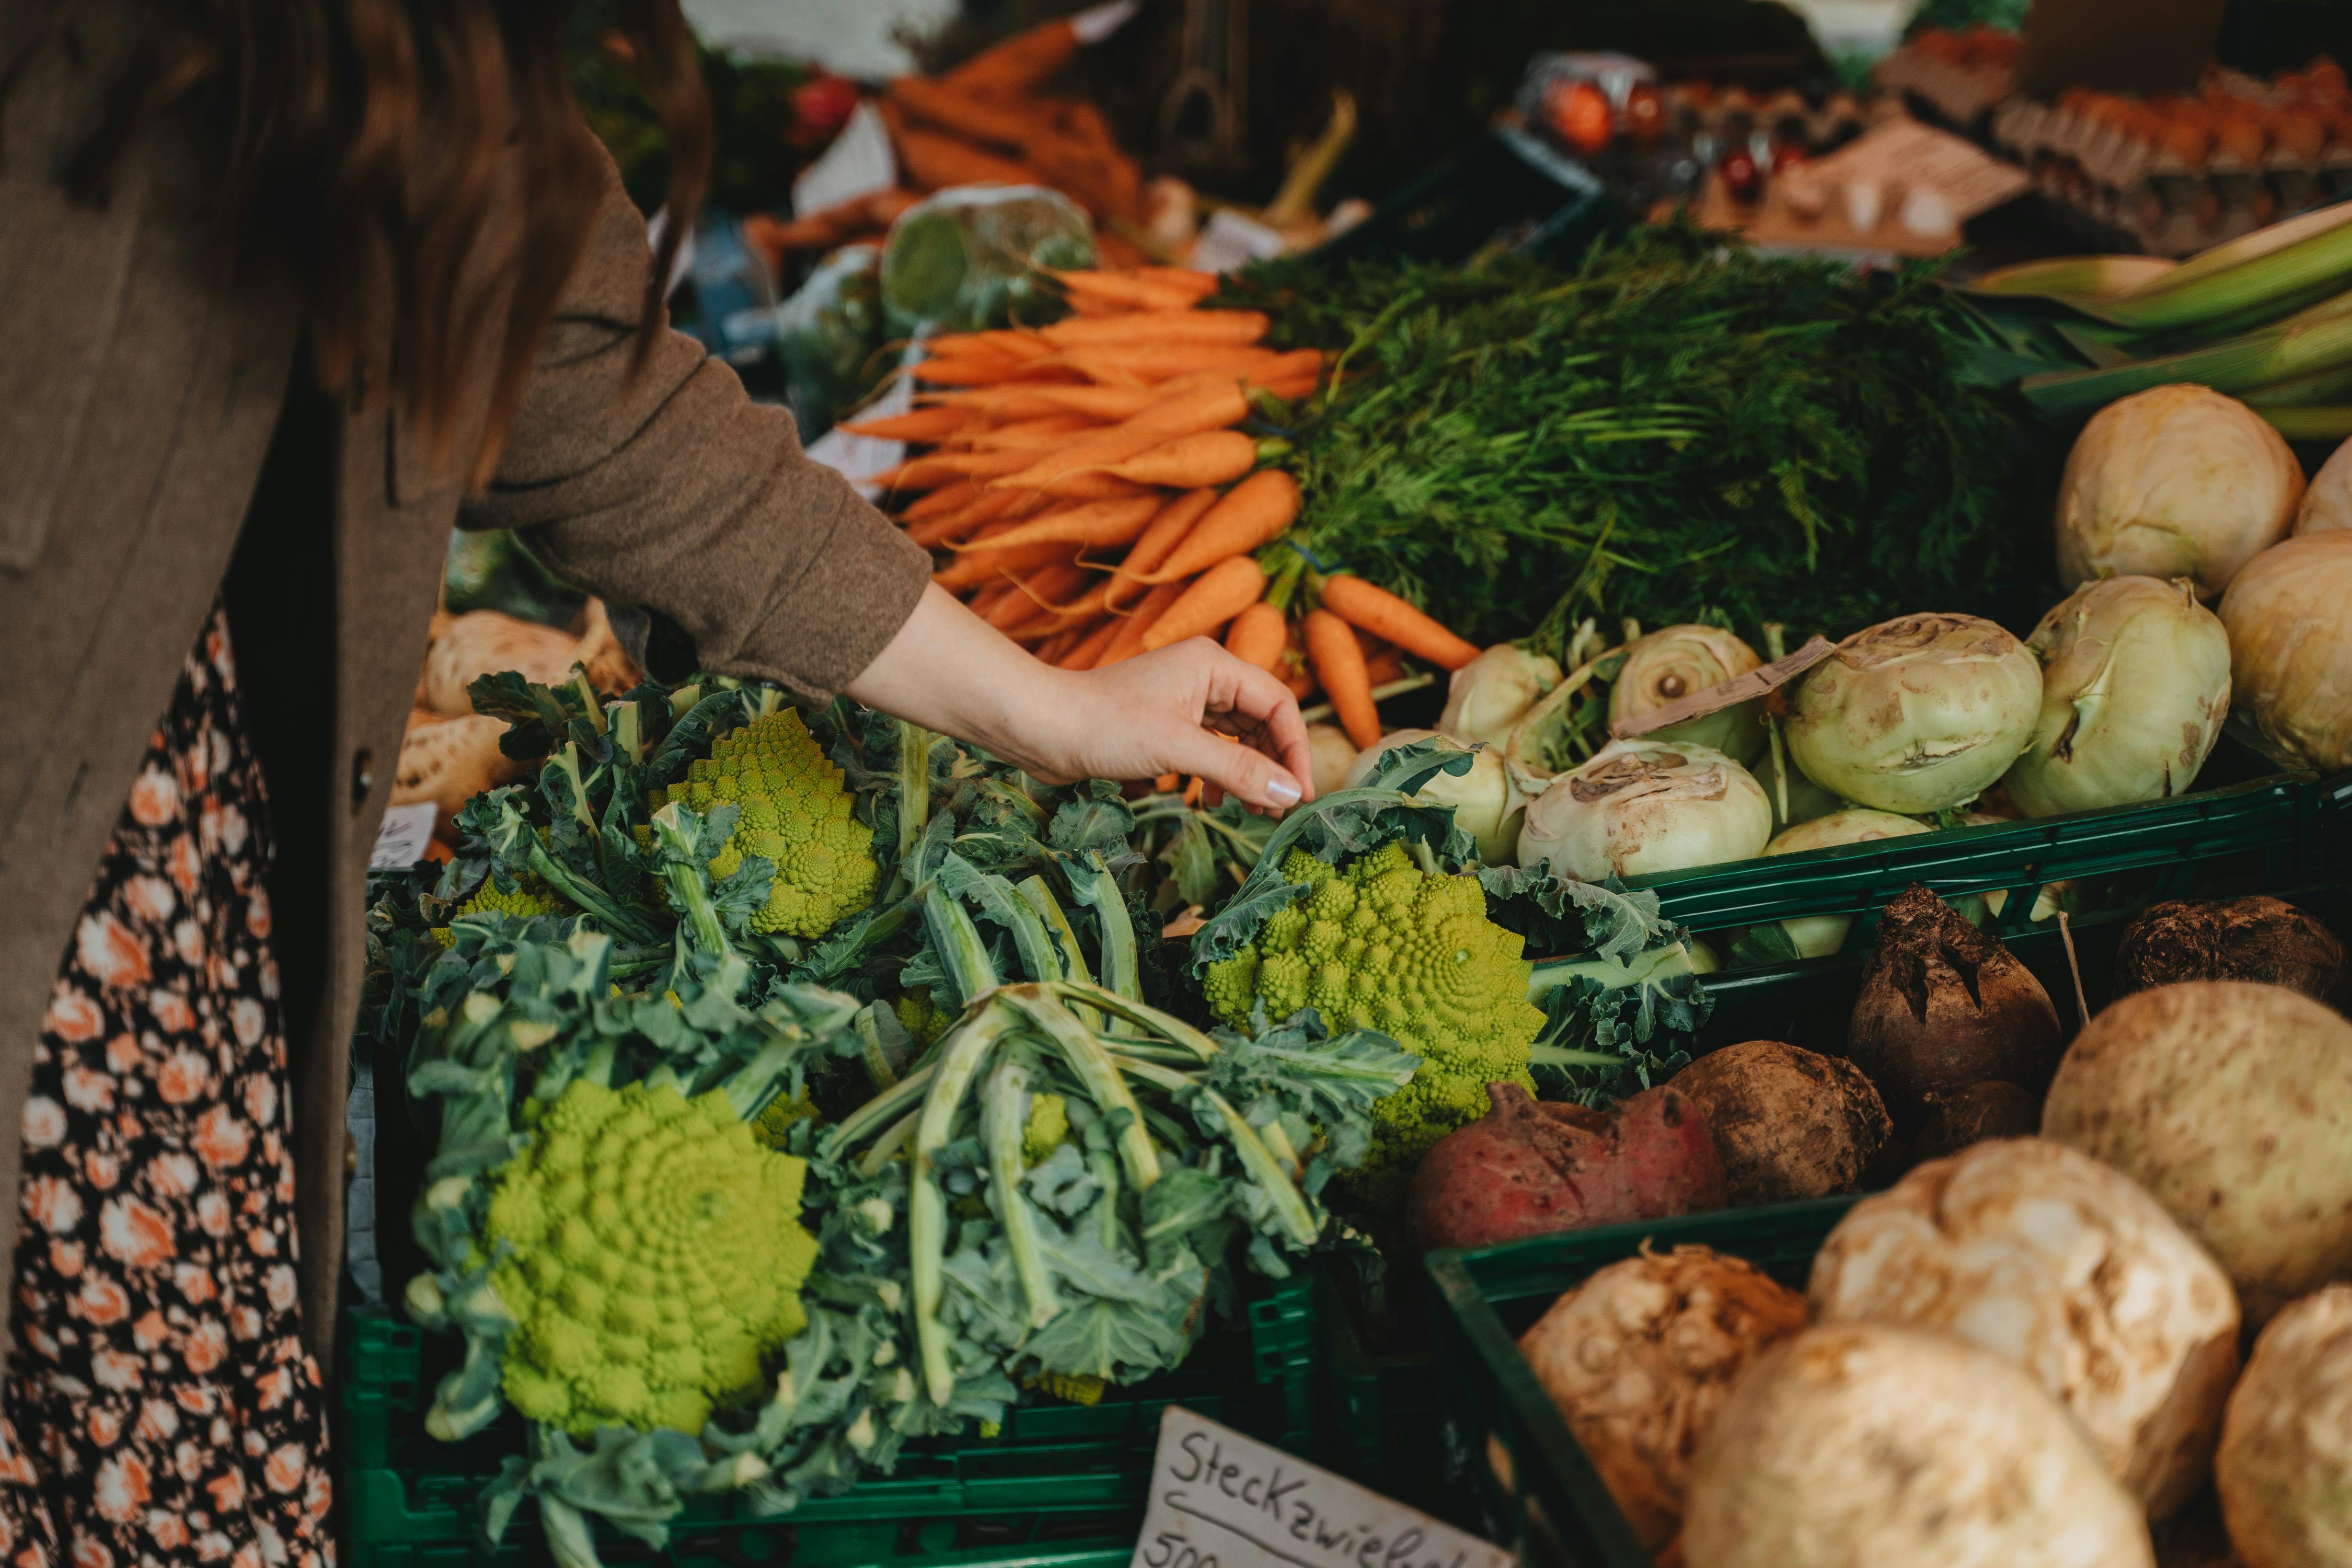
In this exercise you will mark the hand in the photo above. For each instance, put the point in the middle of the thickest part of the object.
(1165, 712)
(1157, 713)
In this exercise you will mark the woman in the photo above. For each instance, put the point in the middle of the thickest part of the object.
(294, 286)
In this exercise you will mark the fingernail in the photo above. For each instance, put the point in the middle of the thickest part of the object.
(1280, 791)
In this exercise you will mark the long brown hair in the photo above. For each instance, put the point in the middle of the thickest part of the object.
(367, 141)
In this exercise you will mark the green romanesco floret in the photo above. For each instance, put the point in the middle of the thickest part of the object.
(531, 897)
(649, 1248)
(775, 1123)
(1048, 1129)
(923, 1019)
(1384, 945)
(795, 814)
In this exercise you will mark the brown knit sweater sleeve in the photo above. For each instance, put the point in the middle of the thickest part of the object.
(673, 491)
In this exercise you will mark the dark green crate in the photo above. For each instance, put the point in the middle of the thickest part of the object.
(2271, 832)
(1546, 1500)
(1062, 1486)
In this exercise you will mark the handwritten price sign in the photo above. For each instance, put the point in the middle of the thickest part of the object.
(1223, 1501)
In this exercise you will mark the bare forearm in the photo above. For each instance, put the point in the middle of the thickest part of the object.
(1179, 710)
(948, 671)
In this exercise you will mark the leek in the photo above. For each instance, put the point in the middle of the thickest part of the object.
(2310, 422)
(2270, 266)
(2236, 364)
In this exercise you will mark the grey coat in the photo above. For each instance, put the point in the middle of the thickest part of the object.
(138, 387)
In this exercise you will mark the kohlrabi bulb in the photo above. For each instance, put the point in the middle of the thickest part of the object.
(1643, 807)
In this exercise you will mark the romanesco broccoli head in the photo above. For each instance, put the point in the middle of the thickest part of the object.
(1046, 1128)
(1384, 945)
(649, 1248)
(795, 814)
(531, 897)
(923, 1019)
(775, 1123)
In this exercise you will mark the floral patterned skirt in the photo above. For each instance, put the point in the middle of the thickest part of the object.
(159, 1404)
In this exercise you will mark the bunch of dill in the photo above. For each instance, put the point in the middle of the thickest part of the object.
(1678, 430)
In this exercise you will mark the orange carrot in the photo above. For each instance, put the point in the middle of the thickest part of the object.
(923, 425)
(967, 370)
(1107, 403)
(1210, 458)
(1026, 432)
(1384, 667)
(941, 502)
(1210, 407)
(1381, 613)
(1095, 487)
(1183, 279)
(1165, 533)
(1162, 290)
(1035, 594)
(1159, 329)
(1091, 648)
(1216, 596)
(978, 566)
(1258, 637)
(944, 530)
(984, 602)
(1129, 641)
(1091, 525)
(1338, 666)
(1022, 63)
(1250, 515)
(1126, 365)
(1083, 457)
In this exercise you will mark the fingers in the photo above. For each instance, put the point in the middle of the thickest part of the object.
(1239, 770)
(1267, 705)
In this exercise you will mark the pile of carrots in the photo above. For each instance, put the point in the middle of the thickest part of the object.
(987, 121)
(1089, 493)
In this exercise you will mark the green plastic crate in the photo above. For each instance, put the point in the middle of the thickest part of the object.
(1062, 1486)
(2272, 832)
(1548, 1504)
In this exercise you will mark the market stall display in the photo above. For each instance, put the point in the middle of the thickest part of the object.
(811, 1112)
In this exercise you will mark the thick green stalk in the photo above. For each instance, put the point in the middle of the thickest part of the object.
(878, 1070)
(962, 952)
(1093, 885)
(2237, 364)
(2317, 422)
(927, 1204)
(685, 880)
(1096, 1072)
(1040, 899)
(589, 896)
(1005, 1112)
(914, 791)
(879, 1112)
(2298, 251)
(1289, 1203)
(1139, 1013)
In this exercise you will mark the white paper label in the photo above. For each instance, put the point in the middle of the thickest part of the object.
(400, 841)
(1230, 242)
(1223, 1501)
(858, 458)
(858, 163)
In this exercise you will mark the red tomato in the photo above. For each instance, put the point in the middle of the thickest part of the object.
(1580, 115)
(823, 104)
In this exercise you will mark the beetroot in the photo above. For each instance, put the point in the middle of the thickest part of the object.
(1527, 1168)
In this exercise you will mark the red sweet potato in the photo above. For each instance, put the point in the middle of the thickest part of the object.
(1527, 1168)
